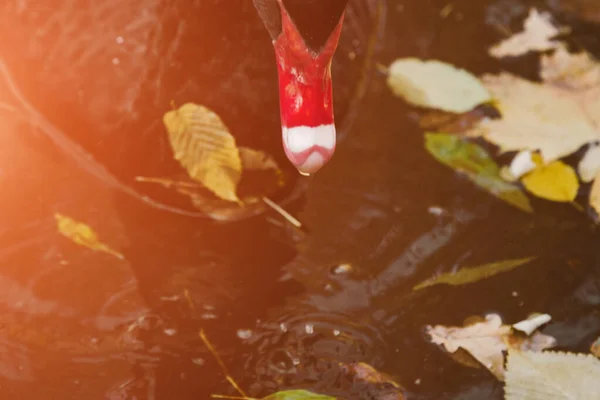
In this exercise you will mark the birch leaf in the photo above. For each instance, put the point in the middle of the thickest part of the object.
(435, 84)
(82, 235)
(595, 194)
(486, 341)
(475, 163)
(474, 274)
(536, 36)
(203, 145)
(589, 166)
(556, 181)
(551, 376)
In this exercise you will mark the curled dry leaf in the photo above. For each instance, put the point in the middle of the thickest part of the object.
(589, 166)
(536, 36)
(556, 181)
(551, 376)
(435, 84)
(203, 145)
(82, 234)
(474, 274)
(486, 341)
(476, 164)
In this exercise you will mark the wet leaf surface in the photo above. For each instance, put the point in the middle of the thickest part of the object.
(556, 181)
(475, 163)
(82, 234)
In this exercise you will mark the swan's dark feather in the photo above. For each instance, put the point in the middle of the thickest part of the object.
(315, 19)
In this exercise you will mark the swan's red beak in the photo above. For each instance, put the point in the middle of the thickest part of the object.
(305, 96)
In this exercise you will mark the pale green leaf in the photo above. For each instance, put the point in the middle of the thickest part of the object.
(435, 84)
(474, 274)
(476, 164)
(298, 394)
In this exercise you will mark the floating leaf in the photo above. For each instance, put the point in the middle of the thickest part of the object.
(589, 166)
(535, 37)
(487, 341)
(82, 234)
(435, 84)
(551, 376)
(595, 194)
(532, 323)
(475, 163)
(556, 181)
(474, 274)
(579, 71)
(297, 395)
(203, 145)
(595, 348)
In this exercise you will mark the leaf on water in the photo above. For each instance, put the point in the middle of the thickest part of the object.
(595, 348)
(532, 323)
(256, 160)
(521, 164)
(595, 195)
(297, 395)
(387, 388)
(553, 120)
(556, 181)
(475, 163)
(435, 84)
(203, 145)
(551, 376)
(538, 30)
(589, 166)
(573, 71)
(474, 274)
(486, 341)
(82, 234)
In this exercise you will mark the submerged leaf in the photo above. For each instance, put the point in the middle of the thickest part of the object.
(486, 341)
(551, 376)
(435, 84)
(538, 30)
(556, 181)
(474, 162)
(474, 274)
(203, 145)
(297, 395)
(82, 234)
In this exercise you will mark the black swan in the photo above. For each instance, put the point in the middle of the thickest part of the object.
(305, 34)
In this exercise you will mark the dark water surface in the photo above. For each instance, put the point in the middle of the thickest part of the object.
(83, 87)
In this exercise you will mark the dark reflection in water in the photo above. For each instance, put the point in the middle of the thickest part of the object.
(82, 81)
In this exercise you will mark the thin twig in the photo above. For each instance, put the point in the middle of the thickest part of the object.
(222, 365)
(289, 217)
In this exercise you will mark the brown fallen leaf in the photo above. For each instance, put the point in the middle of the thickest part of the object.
(203, 145)
(536, 36)
(486, 341)
(83, 235)
(365, 373)
(551, 376)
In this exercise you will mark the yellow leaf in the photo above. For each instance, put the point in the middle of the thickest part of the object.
(595, 194)
(556, 181)
(435, 84)
(486, 341)
(551, 376)
(203, 145)
(474, 274)
(538, 30)
(82, 234)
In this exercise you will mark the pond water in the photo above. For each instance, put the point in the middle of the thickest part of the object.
(82, 91)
